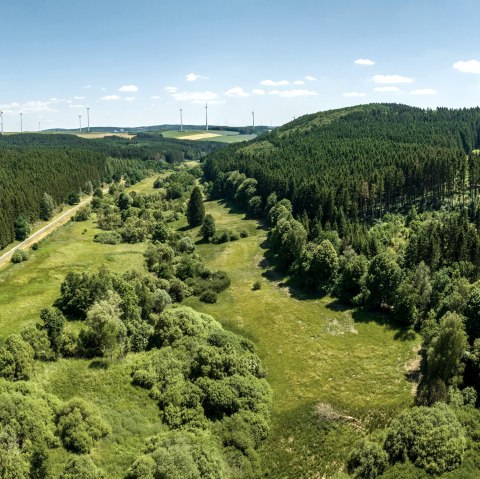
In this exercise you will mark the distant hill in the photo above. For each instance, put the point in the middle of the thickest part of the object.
(360, 162)
(244, 130)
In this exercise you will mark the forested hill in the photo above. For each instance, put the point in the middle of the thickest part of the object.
(62, 165)
(359, 162)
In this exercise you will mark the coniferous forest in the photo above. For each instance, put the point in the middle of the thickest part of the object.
(34, 164)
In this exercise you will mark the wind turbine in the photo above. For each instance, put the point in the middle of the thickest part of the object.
(80, 122)
(39, 126)
(206, 115)
(181, 120)
(253, 119)
(1, 120)
(21, 122)
(88, 119)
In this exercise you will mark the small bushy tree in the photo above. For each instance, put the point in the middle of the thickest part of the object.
(208, 228)
(47, 206)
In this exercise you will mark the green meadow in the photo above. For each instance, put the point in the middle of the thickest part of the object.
(319, 356)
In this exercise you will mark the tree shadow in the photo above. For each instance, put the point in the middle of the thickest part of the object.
(99, 364)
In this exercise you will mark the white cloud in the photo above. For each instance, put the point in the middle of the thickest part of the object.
(155, 97)
(258, 91)
(364, 61)
(292, 93)
(103, 89)
(12, 107)
(237, 92)
(171, 89)
(310, 78)
(129, 98)
(352, 94)
(424, 91)
(195, 96)
(79, 97)
(392, 79)
(87, 86)
(299, 82)
(470, 66)
(76, 106)
(110, 98)
(128, 88)
(274, 83)
(195, 77)
(383, 89)
(37, 105)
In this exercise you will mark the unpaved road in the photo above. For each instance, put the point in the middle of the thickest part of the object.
(43, 232)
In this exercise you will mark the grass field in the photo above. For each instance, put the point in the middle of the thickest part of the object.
(315, 351)
(200, 135)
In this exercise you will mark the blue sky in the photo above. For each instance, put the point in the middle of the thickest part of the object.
(138, 63)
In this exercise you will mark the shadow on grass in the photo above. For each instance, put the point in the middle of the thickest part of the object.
(99, 364)
(234, 209)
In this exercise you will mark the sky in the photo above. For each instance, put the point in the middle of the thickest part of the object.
(139, 63)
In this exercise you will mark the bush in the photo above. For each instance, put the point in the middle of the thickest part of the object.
(186, 245)
(16, 359)
(79, 426)
(35, 246)
(243, 233)
(367, 460)
(38, 340)
(222, 237)
(431, 437)
(208, 296)
(107, 237)
(257, 285)
(83, 213)
(81, 467)
(18, 256)
(234, 236)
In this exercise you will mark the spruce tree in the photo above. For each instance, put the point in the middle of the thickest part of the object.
(195, 208)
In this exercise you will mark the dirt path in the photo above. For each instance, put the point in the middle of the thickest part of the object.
(43, 232)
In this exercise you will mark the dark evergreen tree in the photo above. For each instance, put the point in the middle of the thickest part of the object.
(195, 208)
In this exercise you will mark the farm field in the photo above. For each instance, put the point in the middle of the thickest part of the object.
(212, 135)
(315, 351)
(96, 135)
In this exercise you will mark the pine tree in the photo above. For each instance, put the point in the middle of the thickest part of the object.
(195, 208)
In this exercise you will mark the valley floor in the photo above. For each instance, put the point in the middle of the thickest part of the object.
(318, 354)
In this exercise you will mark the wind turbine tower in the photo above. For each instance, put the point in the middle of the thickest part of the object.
(181, 120)
(1, 121)
(206, 116)
(21, 122)
(80, 122)
(253, 119)
(88, 119)
(39, 126)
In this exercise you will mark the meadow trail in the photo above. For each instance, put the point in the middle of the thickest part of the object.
(43, 232)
